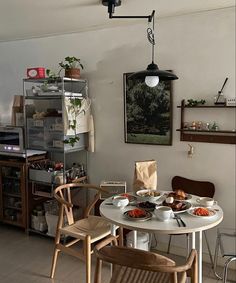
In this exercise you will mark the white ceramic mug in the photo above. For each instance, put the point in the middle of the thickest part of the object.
(206, 201)
(120, 201)
(163, 213)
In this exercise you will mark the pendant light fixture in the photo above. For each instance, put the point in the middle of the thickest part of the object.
(152, 75)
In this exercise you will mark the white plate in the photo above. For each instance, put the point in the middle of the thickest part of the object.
(188, 196)
(144, 195)
(148, 215)
(212, 212)
(188, 205)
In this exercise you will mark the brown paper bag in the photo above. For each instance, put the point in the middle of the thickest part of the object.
(145, 175)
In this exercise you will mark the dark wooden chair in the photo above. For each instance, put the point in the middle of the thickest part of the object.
(198, 188)
(138, 266)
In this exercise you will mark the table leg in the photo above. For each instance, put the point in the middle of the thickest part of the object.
(135, 239)
(193, 240)
(200, 256)
(193, 245)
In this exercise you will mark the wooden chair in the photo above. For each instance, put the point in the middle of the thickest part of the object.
(89, 229)
(138, 266)
(198, 188)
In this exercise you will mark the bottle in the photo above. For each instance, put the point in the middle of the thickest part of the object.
(82, 171)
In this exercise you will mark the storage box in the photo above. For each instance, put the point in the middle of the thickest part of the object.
(41, 176)
(42, 189)
(231, 101)
(114, 188)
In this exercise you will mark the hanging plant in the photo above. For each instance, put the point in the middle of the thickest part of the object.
(74, 110)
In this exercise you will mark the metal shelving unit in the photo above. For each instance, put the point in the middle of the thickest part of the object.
(47, 120)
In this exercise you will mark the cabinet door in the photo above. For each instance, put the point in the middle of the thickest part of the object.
(12, 196)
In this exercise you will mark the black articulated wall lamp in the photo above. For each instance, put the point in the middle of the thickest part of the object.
(152, 74)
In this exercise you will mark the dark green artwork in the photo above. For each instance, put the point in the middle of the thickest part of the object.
(148, 112)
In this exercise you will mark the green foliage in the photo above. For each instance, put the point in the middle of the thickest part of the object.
(74, 108)
(72, 140)
(192, 102)
(51, 74)
(148, 139)
(147, 108)
(70, 62)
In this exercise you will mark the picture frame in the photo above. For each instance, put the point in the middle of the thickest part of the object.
(147, 112)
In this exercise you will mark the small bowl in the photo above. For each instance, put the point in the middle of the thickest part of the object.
(120, 201)
(148, 195)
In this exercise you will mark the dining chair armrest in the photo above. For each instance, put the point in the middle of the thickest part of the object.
(110, 239)
(62, 201)
(96, 198)
(191, 266)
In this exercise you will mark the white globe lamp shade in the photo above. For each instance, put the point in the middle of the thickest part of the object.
(151, 81)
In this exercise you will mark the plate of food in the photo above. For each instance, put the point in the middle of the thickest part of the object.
(146, 205)
(179, 195)
(138, 214)
(202, 212)
(178, 206)
(148, 195)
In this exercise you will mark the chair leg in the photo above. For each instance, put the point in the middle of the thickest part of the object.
(209, 250)
(88, 259)
(168, 249)
(121, 237)
(55, 255)
(54, 262)
(216, 257)
(228, 261)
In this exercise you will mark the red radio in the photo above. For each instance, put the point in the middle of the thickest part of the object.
(36, 73)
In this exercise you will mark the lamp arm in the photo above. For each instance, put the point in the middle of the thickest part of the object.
(111, 9)
(223, 85)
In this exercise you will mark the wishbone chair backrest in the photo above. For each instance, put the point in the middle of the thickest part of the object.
(63, 195)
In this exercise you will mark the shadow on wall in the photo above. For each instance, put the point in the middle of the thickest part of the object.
(5, 111)
(117, 61)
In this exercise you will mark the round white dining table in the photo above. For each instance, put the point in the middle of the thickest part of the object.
(194, 225)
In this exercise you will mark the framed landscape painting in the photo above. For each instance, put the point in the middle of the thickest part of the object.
(148, 112)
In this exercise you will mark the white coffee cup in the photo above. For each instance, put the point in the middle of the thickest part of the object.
(164, 213)
(206, 201)
(120, 201)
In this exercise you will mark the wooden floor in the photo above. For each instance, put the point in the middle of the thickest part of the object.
(26, 259)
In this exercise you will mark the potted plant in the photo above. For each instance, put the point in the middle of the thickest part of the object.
(72, 66)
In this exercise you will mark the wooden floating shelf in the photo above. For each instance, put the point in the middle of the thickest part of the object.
(209, 136)
(206, 106)
(209, 132)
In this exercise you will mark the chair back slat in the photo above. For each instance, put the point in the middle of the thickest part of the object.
(138, 266)
(63, 196)
(198, 188)
(124, 274)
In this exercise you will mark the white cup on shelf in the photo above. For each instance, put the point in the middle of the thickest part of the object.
(206, 201)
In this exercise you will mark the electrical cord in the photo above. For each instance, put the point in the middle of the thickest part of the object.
(150, 36)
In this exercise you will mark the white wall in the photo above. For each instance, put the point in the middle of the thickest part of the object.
(200, 48)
